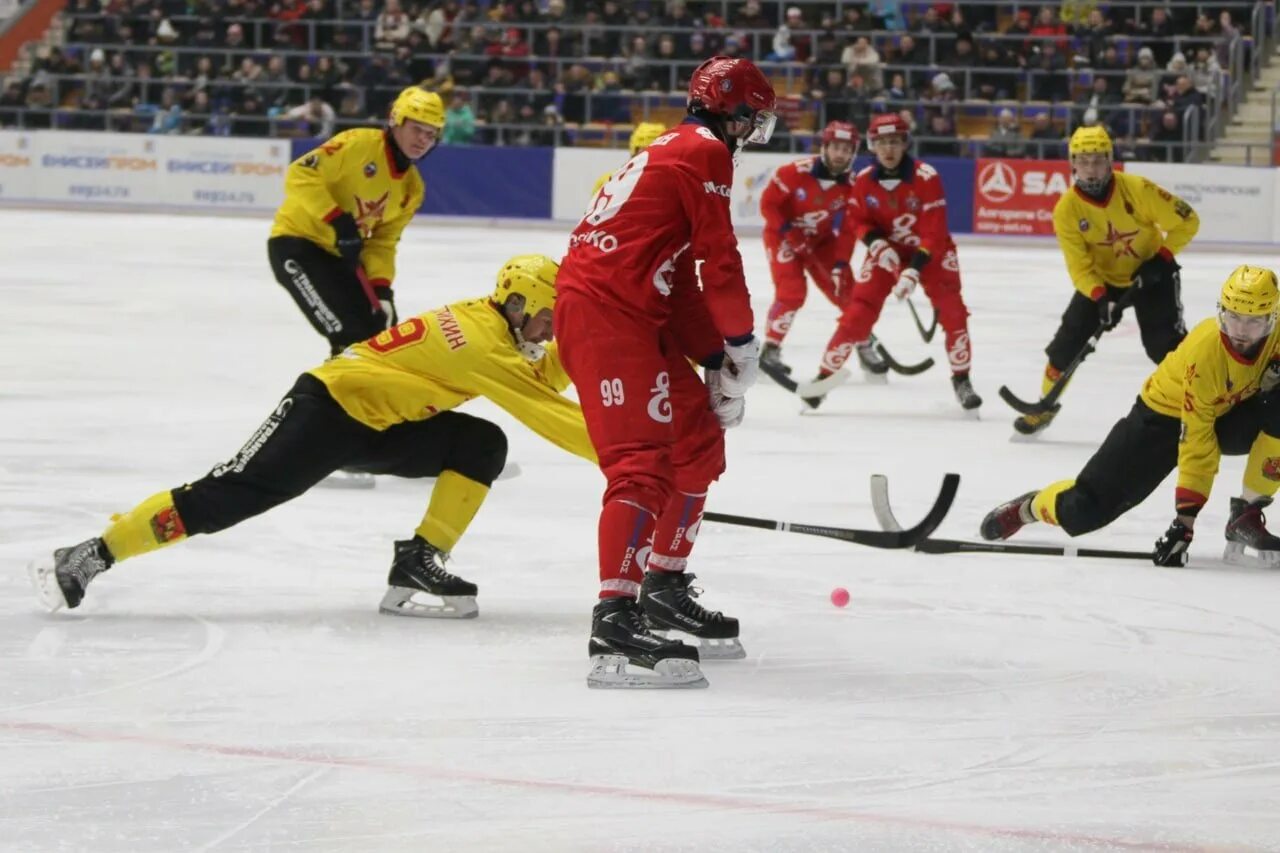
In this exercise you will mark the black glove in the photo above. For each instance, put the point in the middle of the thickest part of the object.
(1109, 312)
(387, 302)
(347, 239)
(1157, 269)
(1171, 548)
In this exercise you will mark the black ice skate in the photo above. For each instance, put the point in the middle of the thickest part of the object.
(1030, 425)
(1247, 528)
(871, 362)
(61, 578)
(771, 355)
(967, 397)
(418, 585)
(624, 653)
(667, 600)
(1008, 518)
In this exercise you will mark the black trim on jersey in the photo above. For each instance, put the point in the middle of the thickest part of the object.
(906, 171)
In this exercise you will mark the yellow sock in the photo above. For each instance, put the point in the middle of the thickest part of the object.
(1262, 471)
(1045, 503)
(454, 502)
(1050, 378)
(152, 524)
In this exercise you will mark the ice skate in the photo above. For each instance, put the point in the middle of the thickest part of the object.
(1247, 529)
(1008, 518)
(872, 363)
(667, 601)
(348, 479)
(625, 654)
(61, 578)
(418, 585)
(771, 356)
(965, 395)
(1032, 425)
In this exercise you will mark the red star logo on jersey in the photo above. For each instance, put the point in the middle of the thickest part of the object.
(1121, 242)
(373, 211)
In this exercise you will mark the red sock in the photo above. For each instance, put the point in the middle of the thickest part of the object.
(626, 533)
(676, 531)
(779, 323)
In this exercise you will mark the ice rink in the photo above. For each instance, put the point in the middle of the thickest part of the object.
(241, 691)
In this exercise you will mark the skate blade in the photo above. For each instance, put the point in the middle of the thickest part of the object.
(348, 480)
(399, 601)
(973, 414)
(870, 378)
(1237, 554)
(615, 672)
(45, 582)
(728, 648)
(1024, 438)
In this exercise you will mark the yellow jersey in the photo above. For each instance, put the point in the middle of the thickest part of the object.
(1104, 242)
(354, 172)
(437, 361)
(1198, 383)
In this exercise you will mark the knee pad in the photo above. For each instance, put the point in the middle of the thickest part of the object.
(639, 475)
(480, 452)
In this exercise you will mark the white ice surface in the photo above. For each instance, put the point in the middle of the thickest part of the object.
(241, 692)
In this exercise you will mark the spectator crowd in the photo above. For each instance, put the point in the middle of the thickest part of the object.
(532, 73)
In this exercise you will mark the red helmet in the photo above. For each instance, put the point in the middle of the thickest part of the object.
(887, 124)
(737, 90)
(840, 131)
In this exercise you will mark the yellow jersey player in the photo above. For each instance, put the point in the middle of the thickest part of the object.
(384, 406)
(641, 138)
(333, 244)
(1118, 232)
(1213, 395)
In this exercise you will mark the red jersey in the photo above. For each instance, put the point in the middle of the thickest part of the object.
(796, 198)
(909, 212)
(635, 248)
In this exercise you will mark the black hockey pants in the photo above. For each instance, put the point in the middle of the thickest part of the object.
(1157, 304)
(309, 436)
(1140, 451)
(327, 291)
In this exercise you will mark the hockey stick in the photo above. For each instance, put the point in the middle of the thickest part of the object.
(927, 334)
(815, 388)
(898, 367)
(1049, 402)
(886, 519)
(870, 538)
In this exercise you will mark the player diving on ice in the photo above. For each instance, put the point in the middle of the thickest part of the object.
(384, 406)
(631, 322)
(1215, 394)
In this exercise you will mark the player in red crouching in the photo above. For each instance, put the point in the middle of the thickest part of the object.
(899, 208)
(629, 318)
(803, 208)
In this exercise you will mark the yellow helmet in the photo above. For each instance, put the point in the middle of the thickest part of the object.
(1250, 292)
(417, 104)
(644, 134)
(530, 276)
(1090, 140)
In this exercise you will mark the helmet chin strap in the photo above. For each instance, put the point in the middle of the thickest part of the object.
(528, 349)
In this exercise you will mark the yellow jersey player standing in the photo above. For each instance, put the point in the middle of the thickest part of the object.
(1119, 234)
(333, 243)
(641, 138)
(383, 406)
(1213, 395)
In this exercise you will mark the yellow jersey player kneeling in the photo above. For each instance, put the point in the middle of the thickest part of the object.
(383, 406)
(333, 243)
(1119, 234)
(1213, 395)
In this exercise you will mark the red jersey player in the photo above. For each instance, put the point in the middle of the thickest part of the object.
(899, 208)
(803, 208)
(629, 318)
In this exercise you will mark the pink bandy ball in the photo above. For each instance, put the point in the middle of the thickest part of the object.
(840, 596)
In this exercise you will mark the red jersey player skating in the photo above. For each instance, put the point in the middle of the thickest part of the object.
(803, 207)
(899, 208)
(629, 318)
